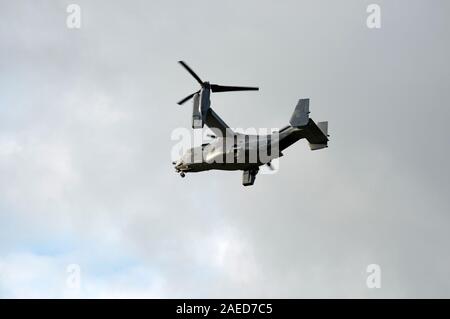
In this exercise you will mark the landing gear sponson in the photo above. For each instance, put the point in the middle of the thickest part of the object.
(248, 177)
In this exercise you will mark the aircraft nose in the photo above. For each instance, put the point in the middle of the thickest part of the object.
(178, 164)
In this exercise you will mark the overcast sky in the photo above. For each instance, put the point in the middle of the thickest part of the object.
(86, 117)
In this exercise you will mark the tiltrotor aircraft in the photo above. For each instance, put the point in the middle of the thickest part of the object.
(230, 150)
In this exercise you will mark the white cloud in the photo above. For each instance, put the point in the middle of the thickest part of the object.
(27, 275)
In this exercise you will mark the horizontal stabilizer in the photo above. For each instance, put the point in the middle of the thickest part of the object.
(318, 135)
(323, 126)
(314, 147)
(248, 177)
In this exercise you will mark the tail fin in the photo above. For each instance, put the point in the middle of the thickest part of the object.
(300, 117)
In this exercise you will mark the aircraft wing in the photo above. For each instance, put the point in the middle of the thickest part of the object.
(216, 124)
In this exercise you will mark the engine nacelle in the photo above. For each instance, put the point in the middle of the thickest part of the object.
(201, 106)
(196, 113)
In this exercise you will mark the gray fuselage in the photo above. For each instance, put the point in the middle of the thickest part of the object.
(237, 152)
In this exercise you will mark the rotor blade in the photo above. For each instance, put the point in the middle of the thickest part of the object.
(224, 88)
(191, 72)
(187, 98)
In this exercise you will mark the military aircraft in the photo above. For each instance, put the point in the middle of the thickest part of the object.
(231, 150)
